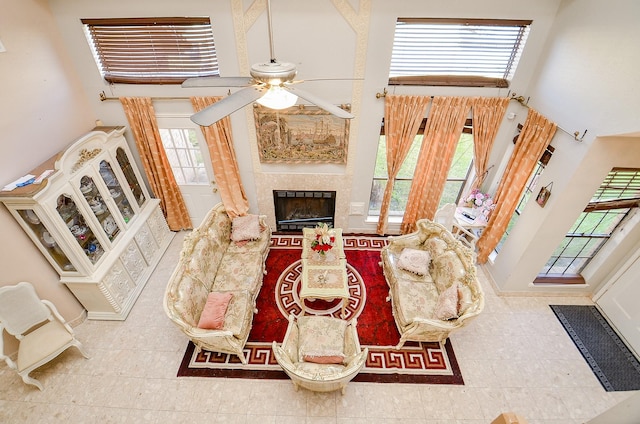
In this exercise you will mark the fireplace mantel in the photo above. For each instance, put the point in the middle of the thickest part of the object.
(266, 184)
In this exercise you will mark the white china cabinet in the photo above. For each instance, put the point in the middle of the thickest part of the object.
(95, 222)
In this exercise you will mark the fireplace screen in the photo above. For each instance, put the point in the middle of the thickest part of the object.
(296, 210)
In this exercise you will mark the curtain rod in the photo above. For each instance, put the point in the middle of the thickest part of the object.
(576, 134)
(103, 97)
(520, 99)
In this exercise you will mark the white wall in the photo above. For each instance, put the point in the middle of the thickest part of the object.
(586, 80)
(43, 109)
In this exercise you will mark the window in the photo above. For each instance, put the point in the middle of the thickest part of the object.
(528, 190)
(456, 179)
(152, 50)
(185, 157)
(526, 195)
(612, 202)
(456, 52)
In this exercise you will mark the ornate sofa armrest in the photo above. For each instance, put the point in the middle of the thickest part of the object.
(351, 340)
(290, 341)
(356, 362)
(202, 333)
(282, 357)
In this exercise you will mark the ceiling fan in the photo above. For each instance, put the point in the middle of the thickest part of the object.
(270, 85)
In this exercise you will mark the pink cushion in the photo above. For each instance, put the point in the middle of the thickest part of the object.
(447, 306)
(321, 358)
(212, 317)
(245, 227)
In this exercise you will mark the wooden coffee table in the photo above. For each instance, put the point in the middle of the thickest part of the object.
(323, 276)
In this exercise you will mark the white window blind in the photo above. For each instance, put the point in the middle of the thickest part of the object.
(470, 52)
(620, 189)
(152, 50)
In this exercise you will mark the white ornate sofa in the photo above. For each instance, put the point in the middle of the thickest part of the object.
(432, 281)
(320, 337)
(210, 262)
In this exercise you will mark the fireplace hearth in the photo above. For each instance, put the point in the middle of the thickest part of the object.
(297, 209)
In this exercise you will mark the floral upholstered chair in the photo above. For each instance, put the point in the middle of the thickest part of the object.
(211, 295)
(433, 286)
(320, 353)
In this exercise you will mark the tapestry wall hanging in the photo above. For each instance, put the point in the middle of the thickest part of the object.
(301, 134)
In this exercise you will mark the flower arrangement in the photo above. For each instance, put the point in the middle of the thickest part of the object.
(324, 238)
(480, 202)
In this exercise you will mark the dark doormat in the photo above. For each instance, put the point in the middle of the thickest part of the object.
(610, 359)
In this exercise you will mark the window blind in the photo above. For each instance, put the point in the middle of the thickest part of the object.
(469, 52)
(152, 50)
(620, 189)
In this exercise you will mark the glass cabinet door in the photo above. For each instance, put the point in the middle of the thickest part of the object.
(130, 175)
(77, 225)
(99, 207)
(115, 190)
(46, 239)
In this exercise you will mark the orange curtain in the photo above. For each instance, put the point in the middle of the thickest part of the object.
(402, 118)
(142, 120)
(223, 159)
(535, 136)
(488, 113)
(444, 126)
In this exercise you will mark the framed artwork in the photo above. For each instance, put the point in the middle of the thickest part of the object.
(301, 134)
(543, 195)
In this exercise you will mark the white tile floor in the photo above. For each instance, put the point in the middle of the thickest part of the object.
(514, 357)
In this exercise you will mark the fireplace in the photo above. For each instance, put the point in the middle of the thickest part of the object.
(297, 209)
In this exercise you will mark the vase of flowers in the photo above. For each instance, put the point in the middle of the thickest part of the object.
(324, 237)
(481, 203)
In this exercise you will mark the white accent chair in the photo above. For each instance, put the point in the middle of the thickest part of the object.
(446, 216)
(320, 377)
(40, 329)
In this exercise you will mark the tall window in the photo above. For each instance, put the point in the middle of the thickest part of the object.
(456, 179)
(185, 157)
(528, 190)
(456, 52)
(618, 194)
(152, 50)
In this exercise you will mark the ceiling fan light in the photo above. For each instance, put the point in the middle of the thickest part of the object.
(277, 97)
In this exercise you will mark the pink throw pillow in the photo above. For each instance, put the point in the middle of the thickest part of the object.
(447, 305)
(245, 227)
(212, 317)
(324, 358)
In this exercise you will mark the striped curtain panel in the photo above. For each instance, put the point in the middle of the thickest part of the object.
(534, 138)
(223, 159)
(402, 118)
(142, 120)
(488, 113)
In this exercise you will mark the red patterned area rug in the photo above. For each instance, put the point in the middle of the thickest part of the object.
(427, 363)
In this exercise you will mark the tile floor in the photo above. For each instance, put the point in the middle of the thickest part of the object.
(514, 357)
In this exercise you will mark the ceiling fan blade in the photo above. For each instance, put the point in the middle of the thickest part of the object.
(323, 104)
(217, 82)
(215, 112)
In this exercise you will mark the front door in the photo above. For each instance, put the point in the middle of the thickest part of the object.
(619, 302)
(189, 158)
